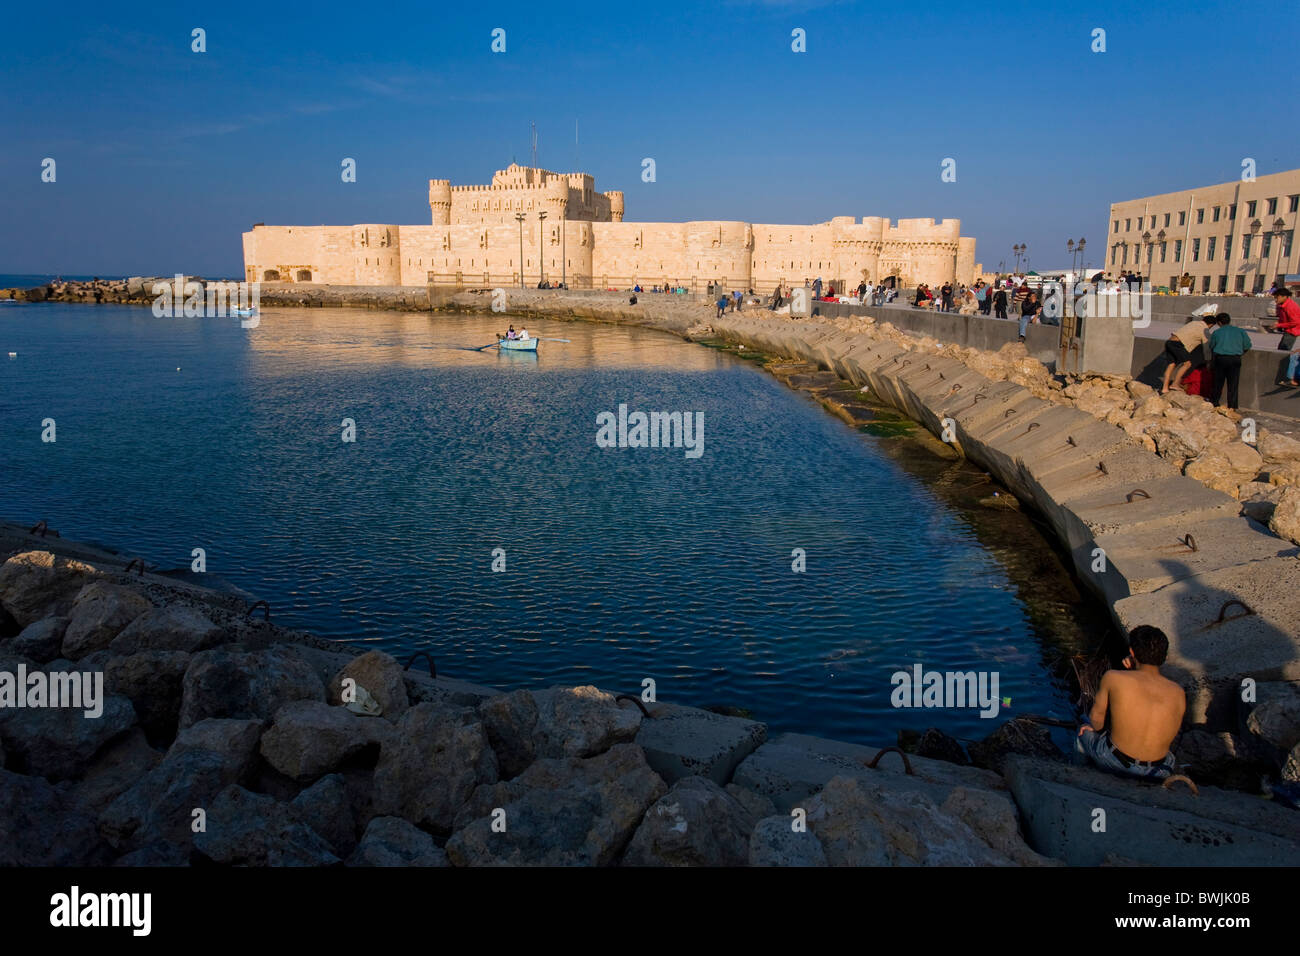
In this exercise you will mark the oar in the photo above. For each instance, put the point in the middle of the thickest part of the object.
(490, 345)
(552, 340)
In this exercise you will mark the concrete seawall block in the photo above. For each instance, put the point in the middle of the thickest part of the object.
(1145, 823)
(1079, 472)
(1148, 556)
(686, 741)
(953, 388)
(791, 768)
(980, 418)
(1050, 426)
(1041, 450)
(984, 399)
(1264, 644)
(1174, 499)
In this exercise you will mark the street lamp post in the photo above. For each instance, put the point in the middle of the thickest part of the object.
(1146, 243)
(1076, 254)
(1279, 230)
(519, 218)
(541, 245)
(1019, 250)
(1254, 231)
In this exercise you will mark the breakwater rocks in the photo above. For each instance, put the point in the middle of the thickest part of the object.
(199, 734)
(134, 291)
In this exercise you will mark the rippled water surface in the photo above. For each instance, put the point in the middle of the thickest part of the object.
(621, 564)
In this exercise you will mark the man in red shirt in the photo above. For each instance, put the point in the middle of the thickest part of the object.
(1288, 318)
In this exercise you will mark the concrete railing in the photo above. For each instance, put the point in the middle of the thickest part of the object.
(970, 331)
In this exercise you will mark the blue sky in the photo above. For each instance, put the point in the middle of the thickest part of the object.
(165, 156)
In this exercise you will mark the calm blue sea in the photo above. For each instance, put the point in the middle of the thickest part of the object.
(621, 564)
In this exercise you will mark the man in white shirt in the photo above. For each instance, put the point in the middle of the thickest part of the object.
(523, 335)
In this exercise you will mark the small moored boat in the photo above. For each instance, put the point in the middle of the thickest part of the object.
(244, 313)
(517, 345)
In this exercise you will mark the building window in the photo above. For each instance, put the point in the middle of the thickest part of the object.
(1245, 246)
(1128, 225)
(1209, 249)
(1205, 283)
(1182, 218)
(1166, 219)
(1295, 204)
(1113, 253)
(1216, 213)
(1241, 284)
(1196, 250)
(1267, 247)
(1200, 216)
(1178, 250)
(1250, 208)
(1227, 249)
(1286, 244)
(1116, 225)
(1272, 207)
(1232, 211)
(1223, 283)
(1164, 247)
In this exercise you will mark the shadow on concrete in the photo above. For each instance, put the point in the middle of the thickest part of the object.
(1240, 645)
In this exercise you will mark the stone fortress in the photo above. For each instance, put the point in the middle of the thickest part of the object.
(474, 240)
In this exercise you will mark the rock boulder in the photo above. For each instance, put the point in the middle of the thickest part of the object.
(99, 613)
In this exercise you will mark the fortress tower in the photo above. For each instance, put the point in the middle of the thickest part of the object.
(615, 198)
(440, 201)
(556, 198)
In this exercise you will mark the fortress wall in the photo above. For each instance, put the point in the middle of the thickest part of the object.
(671, 251)
(376, 254)
(790, 254)
(299, 254)
(474, 251)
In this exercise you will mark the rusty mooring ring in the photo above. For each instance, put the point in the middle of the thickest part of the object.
(1227, 604)
(907, 764)
(636, 700)
(433, 668)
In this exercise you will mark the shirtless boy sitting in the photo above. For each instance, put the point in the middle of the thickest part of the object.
(1145, 711)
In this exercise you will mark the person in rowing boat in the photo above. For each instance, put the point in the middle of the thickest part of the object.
(512, 335)
(523, 335)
